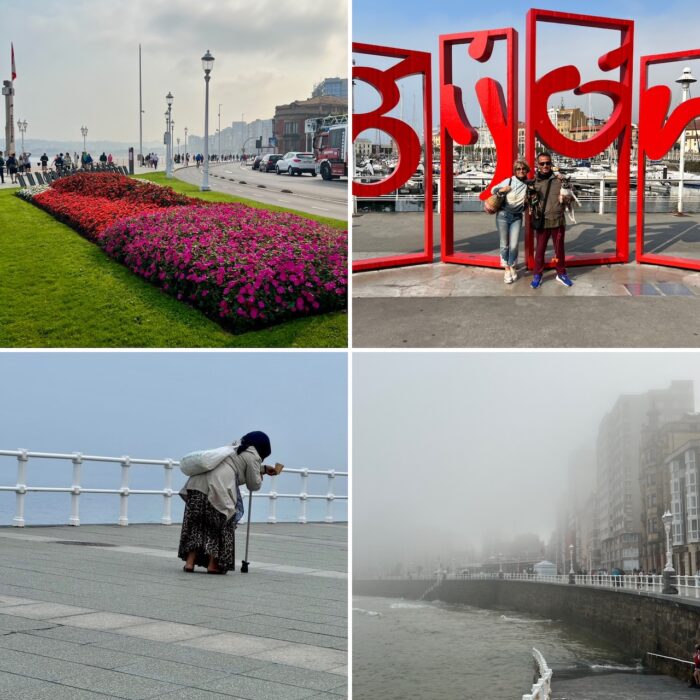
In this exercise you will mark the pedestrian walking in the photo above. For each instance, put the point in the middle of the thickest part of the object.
(509, 218)
(2, 169)
(548, 221)
(696, 663)
(12, 167)
(213, 503)
(44, 162)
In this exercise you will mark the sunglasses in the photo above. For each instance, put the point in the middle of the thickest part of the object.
(545, 163)
(523, 169)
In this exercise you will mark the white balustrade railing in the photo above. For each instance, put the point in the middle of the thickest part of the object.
(542, 688)
(21, 489)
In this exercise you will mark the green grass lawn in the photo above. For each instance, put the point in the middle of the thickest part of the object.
(59, 290)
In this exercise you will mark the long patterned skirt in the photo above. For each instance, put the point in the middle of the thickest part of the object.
(207, 532)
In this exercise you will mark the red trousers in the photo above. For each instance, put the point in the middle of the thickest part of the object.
(542, 238)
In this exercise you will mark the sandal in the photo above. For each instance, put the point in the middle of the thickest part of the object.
(188, 571)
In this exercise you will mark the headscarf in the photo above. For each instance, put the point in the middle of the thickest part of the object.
(258, 440)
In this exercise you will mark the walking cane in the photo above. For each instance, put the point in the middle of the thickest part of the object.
(244, 563)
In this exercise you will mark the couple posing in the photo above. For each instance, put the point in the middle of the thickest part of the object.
(543, 195)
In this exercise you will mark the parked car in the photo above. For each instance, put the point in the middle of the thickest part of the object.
(269, 161)
(256, 162)
(296, 163)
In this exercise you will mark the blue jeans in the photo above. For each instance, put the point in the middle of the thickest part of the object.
(509, 231)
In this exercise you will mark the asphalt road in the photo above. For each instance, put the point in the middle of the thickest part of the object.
(304, 193)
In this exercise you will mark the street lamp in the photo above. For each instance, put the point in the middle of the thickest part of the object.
(168, 141)
(186, 163)
(22, 126)
(219, 130)
(669, 571)
(178, 148)
(684, 81)
(207, 65)
(83, 131)
(571, 568)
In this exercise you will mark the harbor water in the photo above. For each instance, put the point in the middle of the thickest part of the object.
(416, 649)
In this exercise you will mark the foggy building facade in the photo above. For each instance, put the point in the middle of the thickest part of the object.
(662, 452)
(619, 494)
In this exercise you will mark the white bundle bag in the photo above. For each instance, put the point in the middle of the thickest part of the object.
(205, 460)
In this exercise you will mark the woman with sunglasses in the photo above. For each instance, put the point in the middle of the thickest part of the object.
(509, 218)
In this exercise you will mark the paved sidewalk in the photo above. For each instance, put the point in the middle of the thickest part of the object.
(621, 686)
(107, 612)
(440, 305)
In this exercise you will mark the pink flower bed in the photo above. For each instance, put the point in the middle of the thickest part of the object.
(248, 267)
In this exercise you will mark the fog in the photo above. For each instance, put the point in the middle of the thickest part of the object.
(454, 449)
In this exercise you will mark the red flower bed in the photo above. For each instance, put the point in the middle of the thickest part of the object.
(248, 267)
(88, 215)
(115, 186)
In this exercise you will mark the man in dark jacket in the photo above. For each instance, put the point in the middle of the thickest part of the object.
(551, 223)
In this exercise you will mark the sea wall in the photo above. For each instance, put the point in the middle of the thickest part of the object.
(636, 623)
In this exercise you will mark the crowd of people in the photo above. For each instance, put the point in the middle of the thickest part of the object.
(13, 165)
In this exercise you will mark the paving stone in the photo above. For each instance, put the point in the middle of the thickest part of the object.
(195, 694)
(60, 649)
(77, 635)
(44, 611)
(6, 600)
(202, 658)
(34, 666)
(184, 674)
(103, 621)
(256, 689)
(56, 691)
(304, 678)
(303, 656)
(12, 623)
(165, 631)
(229, 643)
(120, 685)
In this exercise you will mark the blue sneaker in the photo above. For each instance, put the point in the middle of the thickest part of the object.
(564, 279)
(536, 281)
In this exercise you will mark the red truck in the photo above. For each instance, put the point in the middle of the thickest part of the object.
(330, 143)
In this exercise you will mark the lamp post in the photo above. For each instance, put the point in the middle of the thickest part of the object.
(669, 571)
(571, 568)
(168, 139)
(178, 148)
(83, 131)
(685, 82)
(172, 141)
(219, 131)
(207, 65)
(186, 163)
(22, 126)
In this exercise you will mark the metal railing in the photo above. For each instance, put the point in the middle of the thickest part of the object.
(688, 586)
(542, 688)
(21, 489)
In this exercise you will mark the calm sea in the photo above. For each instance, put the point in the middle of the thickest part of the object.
(409, 649)
(54, 508)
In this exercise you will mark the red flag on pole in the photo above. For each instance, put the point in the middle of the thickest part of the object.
(14, 70)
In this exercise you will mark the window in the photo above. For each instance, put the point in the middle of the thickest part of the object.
(291, 127)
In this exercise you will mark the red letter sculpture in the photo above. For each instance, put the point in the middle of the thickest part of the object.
(565, 78)
(658, 132)
(405, 138)
(501, 118)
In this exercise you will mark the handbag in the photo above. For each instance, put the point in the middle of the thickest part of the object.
(495, 201)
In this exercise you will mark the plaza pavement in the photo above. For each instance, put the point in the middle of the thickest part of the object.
(446, 305)
(102, 611)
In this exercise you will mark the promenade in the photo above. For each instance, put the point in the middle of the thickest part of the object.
(441, 305)
(103, 611)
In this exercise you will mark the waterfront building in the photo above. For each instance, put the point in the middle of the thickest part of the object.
(619, 494)
(290, 120)
(331, 87)
(666, 484)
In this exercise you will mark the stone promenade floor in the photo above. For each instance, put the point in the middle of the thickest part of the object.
(102, 611)
(622, 686)
(452, 306)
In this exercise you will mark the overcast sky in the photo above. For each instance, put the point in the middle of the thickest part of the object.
(660, 27)
(450, 446)
(77, 61)
(164, 405)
